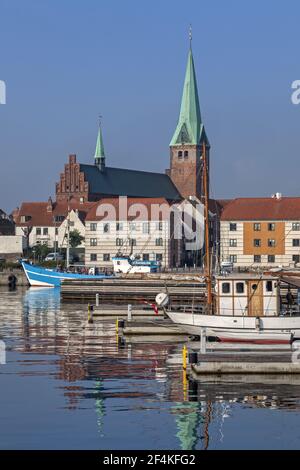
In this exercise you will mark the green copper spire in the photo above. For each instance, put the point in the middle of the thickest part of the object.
(99, 151)
(189, 128)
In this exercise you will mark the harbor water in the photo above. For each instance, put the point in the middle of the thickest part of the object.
(67, 384)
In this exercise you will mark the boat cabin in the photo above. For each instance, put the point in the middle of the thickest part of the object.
(247, 294)
(126, 265)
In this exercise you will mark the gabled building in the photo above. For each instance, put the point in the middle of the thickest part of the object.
(45, 222)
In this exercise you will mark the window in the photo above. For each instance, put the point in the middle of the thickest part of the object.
(119, 226)
(71, 223)
(93, 257)
(257, 259)
(296, 258)
(271, 227)
(225, 288)
(296, 241)
(106, 228)
(269, 286)
(93, 227)
(145, 257)
(159, 257)
(132, 226)
(146, 227)
(239, 287)
(232, 227)
(56, 231)
(271, 243)
(59, 218)
(159, 226)
(256, 242)
(38, 231)
(119, 241)
(180, 154)
(159, 242)
(186, 154)
(25, 218)
(271, 258)
(233, 242)
(45, 231)
(256, 227)
(233, 258)
(93, 242)
(296, 226)
(132, 242)
(106, 257)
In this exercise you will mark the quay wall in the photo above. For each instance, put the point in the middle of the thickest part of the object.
(6, 277)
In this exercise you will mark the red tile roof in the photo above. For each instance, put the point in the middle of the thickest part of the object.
(101, 209)
(39, 216)
(267, 208)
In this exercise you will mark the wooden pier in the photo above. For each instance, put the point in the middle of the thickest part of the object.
(134, 289)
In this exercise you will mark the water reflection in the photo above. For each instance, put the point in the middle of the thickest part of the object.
(87, 370)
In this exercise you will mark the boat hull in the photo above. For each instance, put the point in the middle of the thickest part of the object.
(266, 330)
(42, 277)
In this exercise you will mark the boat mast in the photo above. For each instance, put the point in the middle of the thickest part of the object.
(68, 235)
(207, 238)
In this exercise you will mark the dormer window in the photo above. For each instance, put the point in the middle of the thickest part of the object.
(25, 218)
(180, 154)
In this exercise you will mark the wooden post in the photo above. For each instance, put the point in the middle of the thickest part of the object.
(129, 312)
(203, 341)
(90, 314)
(184, 357)
(97, 300)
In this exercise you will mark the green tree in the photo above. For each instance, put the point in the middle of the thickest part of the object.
(75, 238)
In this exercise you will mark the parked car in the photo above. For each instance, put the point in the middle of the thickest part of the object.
(54, 257)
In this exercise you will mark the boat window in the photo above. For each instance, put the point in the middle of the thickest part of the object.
(254, 286)
(225, 288)
(269, 286)
(239, 287)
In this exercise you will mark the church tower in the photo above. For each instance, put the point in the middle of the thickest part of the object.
(186, 145)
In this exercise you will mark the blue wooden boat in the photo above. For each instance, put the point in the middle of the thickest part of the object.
(43, 277)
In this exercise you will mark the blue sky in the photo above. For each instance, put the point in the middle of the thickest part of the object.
(66, 61)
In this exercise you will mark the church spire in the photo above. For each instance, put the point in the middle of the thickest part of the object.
(189, 128)
(99, 151)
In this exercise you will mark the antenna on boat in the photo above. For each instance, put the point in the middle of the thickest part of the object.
(207, 238)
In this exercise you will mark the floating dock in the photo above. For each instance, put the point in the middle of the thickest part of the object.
(121, 312)
(248, 362)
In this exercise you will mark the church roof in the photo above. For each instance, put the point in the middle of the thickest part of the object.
(132, 183)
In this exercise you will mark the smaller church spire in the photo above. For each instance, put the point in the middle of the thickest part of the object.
(99, 151)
